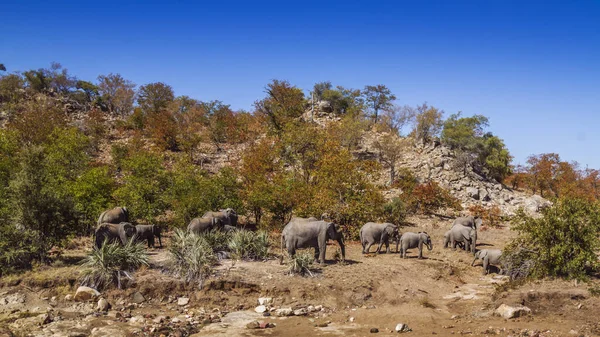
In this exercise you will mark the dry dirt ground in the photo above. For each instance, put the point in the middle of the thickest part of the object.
(438, 295)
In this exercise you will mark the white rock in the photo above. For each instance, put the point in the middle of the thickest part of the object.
(265, 300)
(85, 294)
(183, 301)
(68, 297)
(351, 319)
(260, 309)
(175, 320)
(103, 305)
(137, 320)
(300, 312)
(319, 308)
(506, 311)
(401, 327)
(311, 308)
(284, 312)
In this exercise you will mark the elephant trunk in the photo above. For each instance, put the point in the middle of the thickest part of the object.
(474, 260)
(397, 243)
(429, 245)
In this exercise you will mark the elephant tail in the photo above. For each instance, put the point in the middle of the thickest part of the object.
(282, 244)
(360, 235)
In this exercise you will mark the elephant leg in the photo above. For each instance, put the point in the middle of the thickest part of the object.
(368, 248)
(322, 255)
(420, 249)
(291, 250)
(387, 247)
(151, 242)
(159, 242)
(486, 265)
(379, 247)
(317, 254)
(453, 244)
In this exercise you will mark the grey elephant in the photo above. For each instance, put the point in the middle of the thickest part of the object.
(227, 216)
(468, 221)
(490, 257)
(306, 233)
(414, 240)
(147, 233)
(112, 233)
(461, 234)
(372, 233)
(115, 215)
(200, 225)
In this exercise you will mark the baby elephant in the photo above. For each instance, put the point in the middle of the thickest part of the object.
(414, 240)
(490, 257)
(147, 233)
(372, 233)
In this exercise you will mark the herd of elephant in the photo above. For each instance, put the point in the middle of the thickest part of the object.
(114, 226)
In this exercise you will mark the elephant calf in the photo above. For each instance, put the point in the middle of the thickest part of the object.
(111, 233)
(372, 233)
(414, 240)
(147, 233)
(305, 233)
(490, 257)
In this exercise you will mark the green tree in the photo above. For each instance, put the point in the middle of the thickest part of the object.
(283, 103)
(117, 93)
(378, 98)
(428, 123)
(155, 97)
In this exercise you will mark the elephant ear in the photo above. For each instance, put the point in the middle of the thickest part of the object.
(390, 229)
(478, 222)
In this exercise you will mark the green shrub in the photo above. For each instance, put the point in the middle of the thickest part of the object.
(190, 256)
(112, 264)
(300, 263)
(395, 211)
(218, 240)
(562, 243)
(247, 245)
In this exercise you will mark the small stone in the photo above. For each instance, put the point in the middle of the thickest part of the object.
(319, 308)
(374, 330)
(573, 332)
(284, 312)
(138, 298)
(266, 325)
(85, 294)
(351, 319)
(103, 305)
(506, 311)
(139, 319)
(266, 314)
(265, 300)
(300, 312)
(260, 309)
(183, 301)
(159, 319)
(68, 297)
(322, 325)
(311, 308)
(401, 327)
(455, 317)
(253, 325)
(177, 320)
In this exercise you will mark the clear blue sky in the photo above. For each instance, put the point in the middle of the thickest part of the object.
(532, 67)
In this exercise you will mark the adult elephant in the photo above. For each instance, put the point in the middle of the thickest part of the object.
(114, 233)
(372, 233)
(461, 234)
(200, 225)
(489, 257)
(468, 221)
(306, 233)
(227, 216)
(115, 216)
(147, 233)
(414, 240)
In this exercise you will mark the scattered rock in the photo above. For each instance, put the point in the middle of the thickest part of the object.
(139, 319)
(401, 327)
(300, 312)
(68, 297)
(284, 312)
(159, 319)
(374, 330)
(138, 298)
(506, 311)
(473, 192)
(260, 309)
(253, 325)
(103, 305)
(319, 308)
(311, 308)
(265, 300)
(85, 294)
(183, 301)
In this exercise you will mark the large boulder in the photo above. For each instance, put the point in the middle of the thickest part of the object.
(85, 294)
(325, 106)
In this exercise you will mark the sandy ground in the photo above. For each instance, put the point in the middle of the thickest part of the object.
(438, 295)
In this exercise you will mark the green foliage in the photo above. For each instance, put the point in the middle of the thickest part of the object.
(193, 191)
(378, 98)
(395, 211)
(190, 256)
(248, 245)
(112, 264)
(155, 97)
(217, 239)
(563, 242)
(428, 123)
(484, 151)
(145, 182)
(283, 103)
(300, 263)
(92, 192)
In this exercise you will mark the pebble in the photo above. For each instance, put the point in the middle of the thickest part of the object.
(260, 309)
(374, 330)
(183, 301)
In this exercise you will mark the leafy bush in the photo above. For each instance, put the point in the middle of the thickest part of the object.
(430, 197)
(300, 263)
(395, 211)
(248, 245)
(562, 243)
(111, 264)
(217, 239)
(190, 256)
(491, 216)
